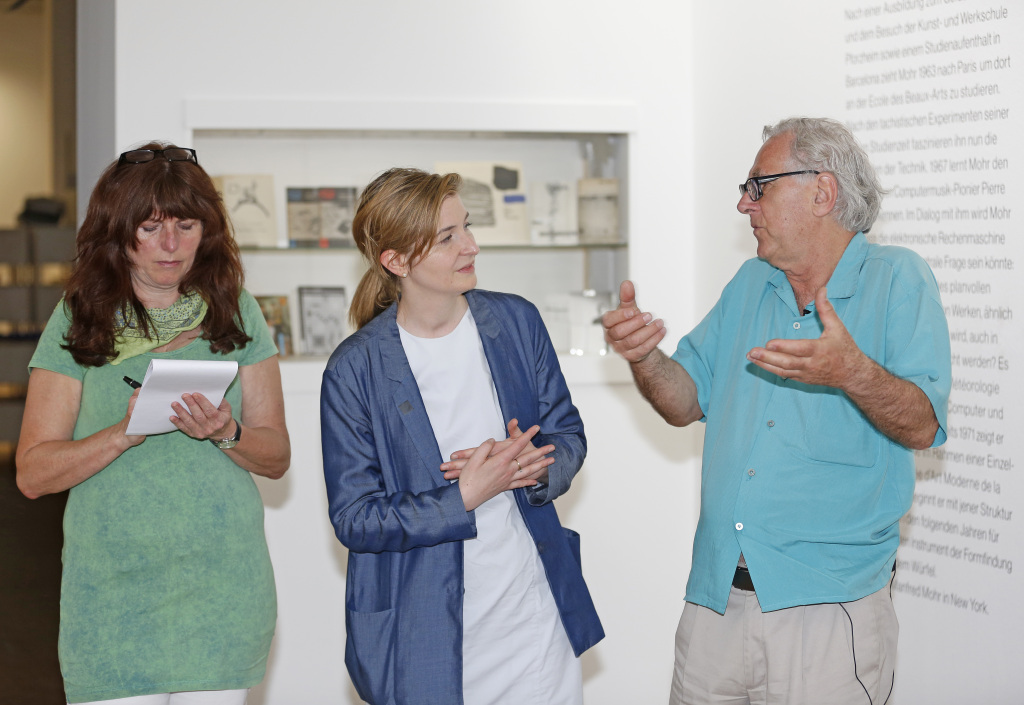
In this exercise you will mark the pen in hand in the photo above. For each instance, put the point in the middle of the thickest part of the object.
(132, 383)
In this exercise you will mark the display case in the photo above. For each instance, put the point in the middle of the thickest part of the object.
(303, 144)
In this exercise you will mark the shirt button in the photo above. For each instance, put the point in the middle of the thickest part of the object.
(796, 325)
(751, 472)
(771, 424)
(739, 526)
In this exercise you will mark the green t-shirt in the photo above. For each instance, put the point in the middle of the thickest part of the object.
(167, 583)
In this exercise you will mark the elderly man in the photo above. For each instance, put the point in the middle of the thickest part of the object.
(824, 363)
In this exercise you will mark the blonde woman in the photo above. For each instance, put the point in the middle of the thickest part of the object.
(447, 432)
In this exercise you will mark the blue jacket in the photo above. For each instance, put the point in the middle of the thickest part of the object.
(404, 524)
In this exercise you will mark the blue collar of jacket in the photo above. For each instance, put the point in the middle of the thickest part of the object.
(386, 326)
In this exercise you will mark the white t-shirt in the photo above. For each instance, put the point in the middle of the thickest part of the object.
(514, 648)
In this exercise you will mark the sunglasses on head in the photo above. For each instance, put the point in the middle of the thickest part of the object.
(171, 154)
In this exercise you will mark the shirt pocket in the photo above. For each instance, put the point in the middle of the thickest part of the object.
(837, 432)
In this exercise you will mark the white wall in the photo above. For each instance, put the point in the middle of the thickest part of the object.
(635, 502)
(765, 62)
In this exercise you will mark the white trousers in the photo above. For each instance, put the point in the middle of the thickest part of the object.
(840, 653)
(198, 697)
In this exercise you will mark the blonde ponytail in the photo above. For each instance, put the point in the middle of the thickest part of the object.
(399, 210)
(377, 290)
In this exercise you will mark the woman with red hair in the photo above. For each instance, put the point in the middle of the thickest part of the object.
(167, 586)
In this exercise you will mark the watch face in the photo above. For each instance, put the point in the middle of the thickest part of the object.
(226, 443)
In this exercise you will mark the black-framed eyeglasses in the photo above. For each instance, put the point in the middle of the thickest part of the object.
(171, 154)
(752, 186)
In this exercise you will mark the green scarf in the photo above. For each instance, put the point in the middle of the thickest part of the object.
(183, 315)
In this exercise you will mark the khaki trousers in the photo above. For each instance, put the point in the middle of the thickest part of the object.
(830, 654)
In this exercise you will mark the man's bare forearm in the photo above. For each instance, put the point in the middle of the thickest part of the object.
(896, 407)
(666, 385)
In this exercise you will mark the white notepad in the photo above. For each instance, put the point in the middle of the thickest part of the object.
(167, 380)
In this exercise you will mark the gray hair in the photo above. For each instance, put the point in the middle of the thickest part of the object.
(827, 145)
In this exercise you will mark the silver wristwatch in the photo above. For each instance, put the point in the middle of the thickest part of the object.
(225, 443)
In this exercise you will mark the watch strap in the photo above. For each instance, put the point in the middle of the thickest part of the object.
(225, 443)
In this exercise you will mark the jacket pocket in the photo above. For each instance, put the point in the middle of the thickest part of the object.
(370, 654)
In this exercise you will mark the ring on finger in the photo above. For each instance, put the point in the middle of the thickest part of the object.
(520, 467)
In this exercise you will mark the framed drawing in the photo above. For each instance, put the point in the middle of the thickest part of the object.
(275, 311)
(249, 202)
(321, 217)
(553, 213)
(598, 212)
(322, 312)
(495, 196)
(303, 215)
(337, 209)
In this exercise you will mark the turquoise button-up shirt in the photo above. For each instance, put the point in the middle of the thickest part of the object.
(794, 476)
